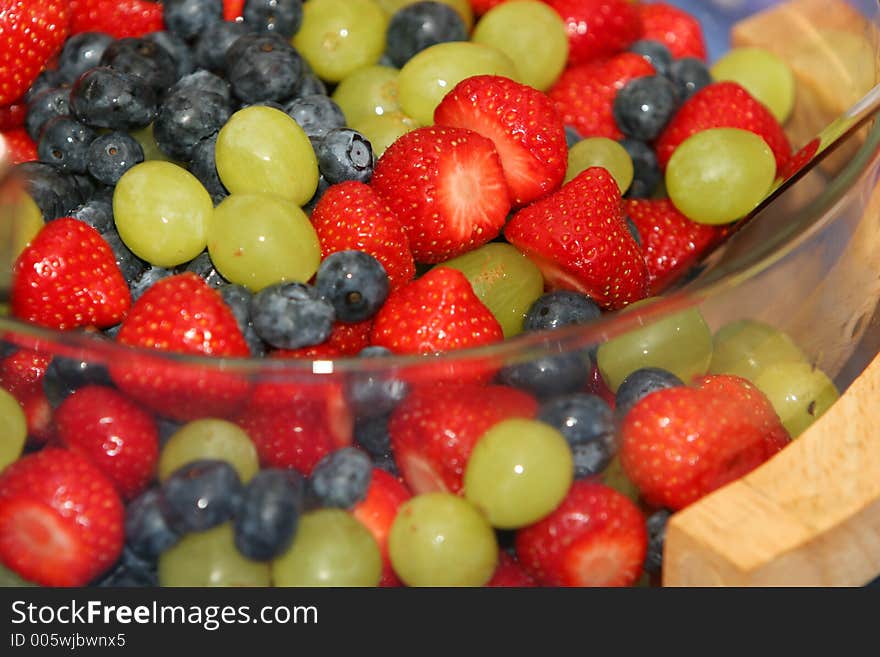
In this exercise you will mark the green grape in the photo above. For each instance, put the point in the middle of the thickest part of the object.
(209, 439)
(210, 558)
(746, 347)
(505, 280)
(718, 176)
(799, 392)
(162, 213)
(540, 47)
(370, 91)
(14, 433)
(27, 221)
(432, 73)
(601, 152)
(257, 240)
(463, 7)
(680, 343)
(764, 75)
(337, 37)
(145, 138)
(519, 472)
(331, 548)
(616, 478)
(439, 539)
(261, 150)
(383, 130)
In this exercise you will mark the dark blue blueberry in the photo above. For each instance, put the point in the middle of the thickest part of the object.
(97, 213)
(633, 230)
(81, 52)
(572, 136)
(166, 429)
(212, 45)
(146, 280)
(291, 315)
(200, 495)
(268, 517)
(311, 85)
(646, 170)
(189, 18)
(200, 82)
(345, 154)
(373, 393)
(341, 478)
(640, 384)
(689, 75)
(48, 79)
(555, 310)
(644, 107)
(282, 17)
(147, 533)
(144, 58)
(54, 192)
(129, 572)
(422, 25)
(45, 106)
(587, 423)
(656, 53)
(316, 114)
(238, 298)
(548, 376)
(187, 117)
(111, 155)
(371, 433)
(591, 459)
(86, 186)
(177, 48)
(64, 376)
(204, 167)
(133, 268)
(204, 267)
(656, 524)
(263, 67)
(7, 349)
(354, 282)
(105, 98)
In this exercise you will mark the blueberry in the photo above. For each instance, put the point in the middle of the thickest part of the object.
(54, 192)
(555, 310)
(130, 571)
(213, 44)
(644, 107)
(81, 52)
(572, 136)
(291, 315)
(587, 423)
(646, 170)
(129, 264)
(371, 433)
(64, 376)
(323, 186)
(65, 143)
(202, 81)
(144, 59)
(187, 117)
(421, 25)
(45, 106)
(282, 17)
(345, 154)
(640, 384)
(147, 533)
(200, 495)
(354, 282)
(374, 393)
(548, 376)
(341, 478)
(48, 79)
(633, 230)
(177, 48)
(85, 185)
(105, 98)
(204, 267)
(263, 67)
(689, 75)
(267, 519)
(204, 167)
(591, 459)
(656, 53)
(238, 298)
(189, 18)
(311, 85)
(316, 115)
(656, 524)
(146, 280)
(97, 213)
(111, 155)
(166, 428)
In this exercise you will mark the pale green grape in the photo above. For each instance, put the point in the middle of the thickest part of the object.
(27, 221)
(799, 392)
(210, 558)
(145, 138)
(261, 150)
(162, 213)
(616, 478)
(718, 176)
(209, 439)
(532, 34)
(337, 37)
(257, 240)
(14, 433)
(680, 343)
(368, 92)
(746, 347)
(331, 548)
(463, 7)
(601, 152)
(439, 539)
(505, 280)
(764, 75)
(383, 130)
(519, 472)
(431, 74)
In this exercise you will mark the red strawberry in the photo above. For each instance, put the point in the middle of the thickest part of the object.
(723, 105)
(437, 312)
(597, 28)
(351, 216)
(523, 125)
(597, 386)
(119, 18)
(680, 444)
(377, 512)
(435, 428)
(596, 537)
(68, 278)
(232, 9)
(19, 146)
(510, 574)
(584, 95)
(344, 340)
(181, 314)
(61, 520)
(578, 238)
(115, 434)
(447, 187)
(21, 375)
(673, 27)
(671, 242)
(800, 159)
(12, 116)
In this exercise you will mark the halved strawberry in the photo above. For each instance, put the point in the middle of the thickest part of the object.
(673, 27)
(119, 18)
(597, 28)
(21, 375)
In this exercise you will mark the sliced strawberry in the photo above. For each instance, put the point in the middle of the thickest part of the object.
(673, 27)
(597, 28)
(119, 18)
(509, 574)
(21, 375)
(19, 146)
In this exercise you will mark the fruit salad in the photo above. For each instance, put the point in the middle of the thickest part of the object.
(305, 292)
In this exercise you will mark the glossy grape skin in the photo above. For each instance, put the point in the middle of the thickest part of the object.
(145, 138)
(14, 433)
(383, 130)
(747, 347)
(331, 548)
(763, 74)
(601, 152)
(25, 222)
(209, 438)
(800, 393)
(370, 91)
